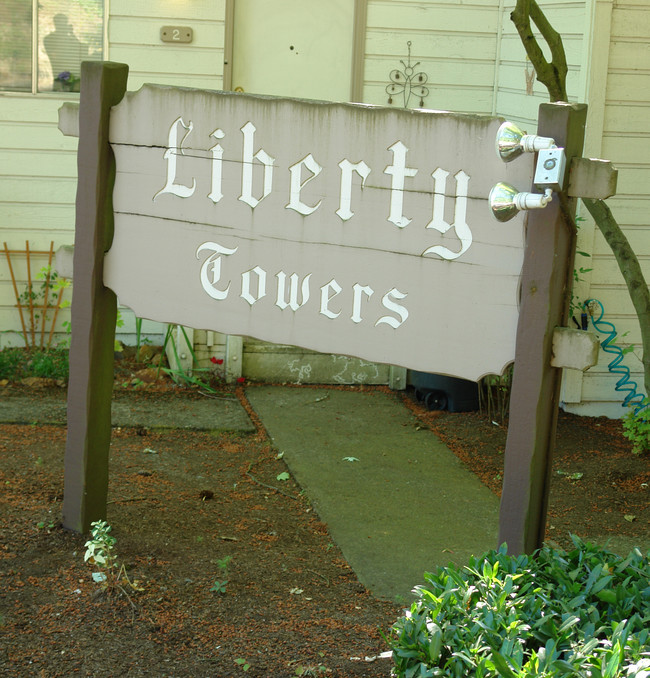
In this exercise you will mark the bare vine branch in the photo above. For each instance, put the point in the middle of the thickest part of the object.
(551, 74)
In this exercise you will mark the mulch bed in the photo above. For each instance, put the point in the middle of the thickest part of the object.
(181, 502)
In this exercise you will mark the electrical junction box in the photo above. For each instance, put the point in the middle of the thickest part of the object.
(550, 169)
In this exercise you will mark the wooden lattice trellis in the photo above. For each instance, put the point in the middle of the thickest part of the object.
(34, 307)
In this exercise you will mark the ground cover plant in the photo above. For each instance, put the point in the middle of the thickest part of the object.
(582, 612)
(18, 363)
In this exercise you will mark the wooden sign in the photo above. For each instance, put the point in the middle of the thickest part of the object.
(341, 228)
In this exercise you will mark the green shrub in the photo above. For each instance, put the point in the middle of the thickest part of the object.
(11, 362)
(52, 363)
(585, 612)
(19, 363)
(636, 428)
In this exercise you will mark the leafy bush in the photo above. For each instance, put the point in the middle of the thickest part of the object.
(636, 428)
(11, 361)
(585, 612)
(20, 363)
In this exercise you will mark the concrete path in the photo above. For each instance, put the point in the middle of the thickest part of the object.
(396, 500)
(199, 415)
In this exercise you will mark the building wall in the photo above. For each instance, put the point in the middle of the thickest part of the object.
(474, 63)
(622, 110)
(134, 39)
(455, 44)
(38, 169)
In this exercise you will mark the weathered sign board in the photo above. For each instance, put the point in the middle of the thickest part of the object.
(341, 228)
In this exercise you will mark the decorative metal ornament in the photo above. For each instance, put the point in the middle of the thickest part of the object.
(407, 82)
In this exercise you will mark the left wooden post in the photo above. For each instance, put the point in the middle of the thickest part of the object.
(94, 307)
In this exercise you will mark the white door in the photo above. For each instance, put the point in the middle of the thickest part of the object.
(295, 48)
(301, 49)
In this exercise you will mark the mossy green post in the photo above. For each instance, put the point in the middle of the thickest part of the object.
(94, 307)
(546, 282)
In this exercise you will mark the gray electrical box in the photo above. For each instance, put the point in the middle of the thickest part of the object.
(550, 169)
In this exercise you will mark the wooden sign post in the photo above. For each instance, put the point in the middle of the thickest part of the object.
(341, 228)
(545, 294)
(94, 306)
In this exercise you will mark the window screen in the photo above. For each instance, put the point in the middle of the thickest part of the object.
(16, 45)
(67, 32)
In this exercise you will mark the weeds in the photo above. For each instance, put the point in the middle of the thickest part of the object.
(494, 395)
(100, 551)
(17, 363)
(220, 585)
(636, 428)
(305, 671)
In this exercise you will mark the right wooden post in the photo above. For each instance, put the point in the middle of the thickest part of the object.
(545, 294)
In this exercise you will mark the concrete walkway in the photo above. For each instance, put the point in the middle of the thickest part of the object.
(396, 500)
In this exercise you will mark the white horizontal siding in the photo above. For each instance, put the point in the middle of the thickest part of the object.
(626, 141)
(38, 164)
(454, 43)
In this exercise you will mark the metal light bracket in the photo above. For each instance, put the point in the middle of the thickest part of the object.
(511, 142)
(506, 202)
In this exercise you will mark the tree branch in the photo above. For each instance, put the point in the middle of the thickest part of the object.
(552, 75)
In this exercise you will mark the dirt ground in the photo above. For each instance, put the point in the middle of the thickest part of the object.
(181, 502)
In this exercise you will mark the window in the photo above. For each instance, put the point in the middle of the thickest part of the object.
(43, 42)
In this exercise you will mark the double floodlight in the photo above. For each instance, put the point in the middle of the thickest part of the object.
(505, 201)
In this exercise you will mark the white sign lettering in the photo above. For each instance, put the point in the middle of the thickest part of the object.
(398, 170)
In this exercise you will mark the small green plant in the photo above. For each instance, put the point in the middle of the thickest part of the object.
(49, 363)
(46, 525)
(636, 428)
(311, 671)
(20, 363)
(100, 551)
(11, 362)
(571, 476)
(134, 383)
(220, 585)
(179, 375)
(555, 613)
(575, 305)
(242, 663)
(494, 395)
(41, 302)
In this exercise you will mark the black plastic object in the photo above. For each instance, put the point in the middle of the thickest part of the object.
(439, 392)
